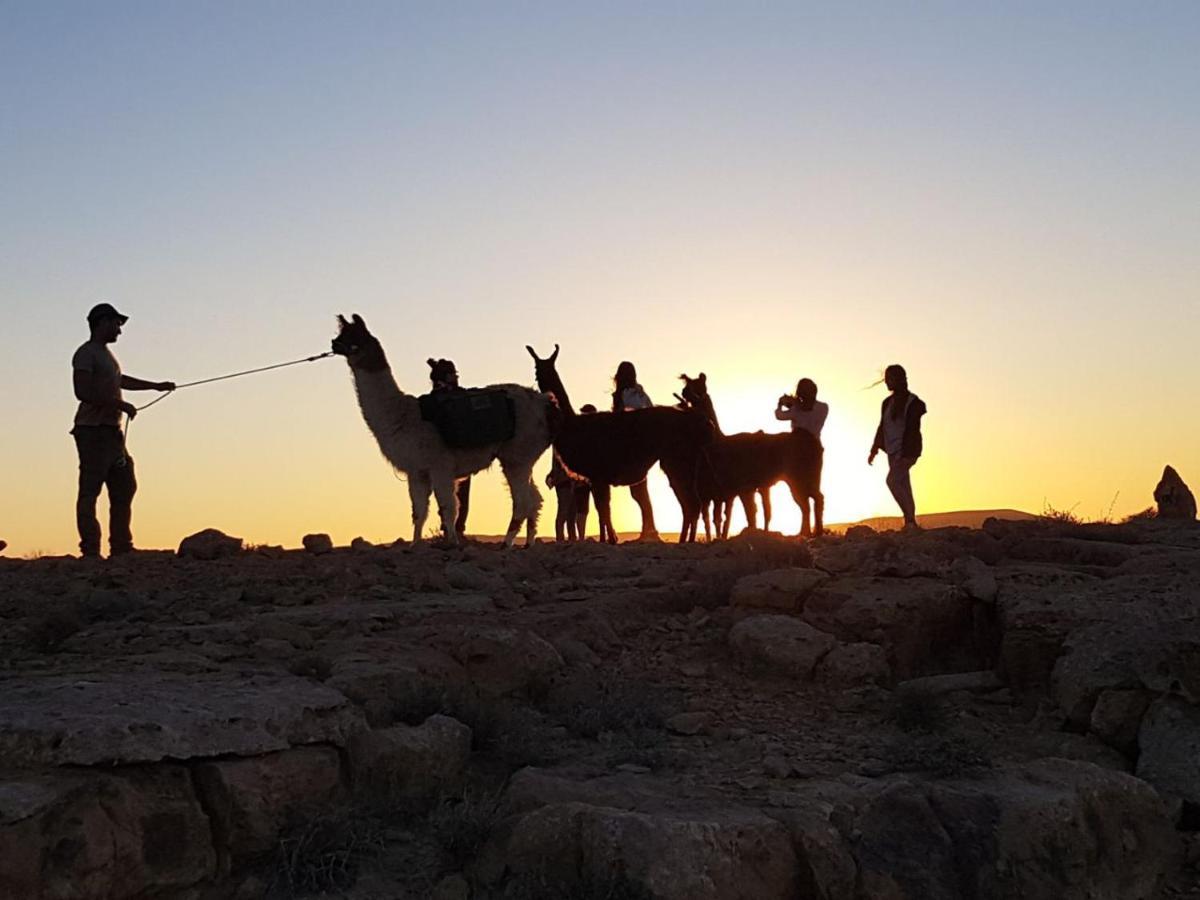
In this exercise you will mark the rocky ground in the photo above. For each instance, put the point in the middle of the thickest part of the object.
(1005, 712)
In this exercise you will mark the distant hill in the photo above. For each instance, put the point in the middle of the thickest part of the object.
(967, 518)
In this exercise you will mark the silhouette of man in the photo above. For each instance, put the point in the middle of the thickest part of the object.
(443, 375)
(103, 460)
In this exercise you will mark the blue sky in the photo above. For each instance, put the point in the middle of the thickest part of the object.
(1004, 196)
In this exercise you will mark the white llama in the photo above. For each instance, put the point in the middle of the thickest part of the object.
(415, 447)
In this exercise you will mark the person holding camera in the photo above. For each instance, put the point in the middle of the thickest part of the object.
(803, 410)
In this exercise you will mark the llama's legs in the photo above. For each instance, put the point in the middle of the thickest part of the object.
(818, 513)
(527, 501)
(602, 494)
(418, 492)
(641, 494)
(751, 508)
(801, 498)
(765, 493)
(705, 511)
(462, 493)
(444, 491)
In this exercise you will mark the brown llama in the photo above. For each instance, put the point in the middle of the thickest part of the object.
(741, 465)
(608, 448)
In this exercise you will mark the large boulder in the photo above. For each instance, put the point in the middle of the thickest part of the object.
(1048, 829)
(780, 644)
(568, 834)
(253, 801)
(850, 665)
(782, 589)
(503, 661)
(925, 625)
(129, 718)
(1160, 657)
(317, 543)
(1174, 499)
(411, 761)
(209, 544)
(131, 833)
(1169, 743)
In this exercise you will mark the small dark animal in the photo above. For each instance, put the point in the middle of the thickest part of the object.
(741, 465)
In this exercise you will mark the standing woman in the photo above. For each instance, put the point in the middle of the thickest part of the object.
(628, 395)
(806, 413)
(899, 436)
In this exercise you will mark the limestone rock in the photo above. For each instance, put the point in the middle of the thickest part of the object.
(1048, 829)
(1117, 717)
(503, 660)
(849, 665)
(975, 577)
(1174, 499)
(411, 761)
(317, 543)
(138, 832)
(782, 589)
(209, 544)
(1162, 657)
(128, 718)
(923, 624)
(700, 854)
(1169, 745)
(466, 576)
(253, 800)
(936, 685)
(781, 644)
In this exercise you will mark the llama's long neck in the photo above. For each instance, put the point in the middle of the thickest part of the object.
(550, 383)
(386, 409)
(710, 411)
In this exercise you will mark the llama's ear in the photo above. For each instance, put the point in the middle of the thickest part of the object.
(342, 323)
(432, 362)
(531, 353)
(554, 355)
(358, 320)
(703, 379)
(683, 378)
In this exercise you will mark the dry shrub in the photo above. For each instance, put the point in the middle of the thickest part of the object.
(325, 854)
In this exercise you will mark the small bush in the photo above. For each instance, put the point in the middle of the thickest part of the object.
(325, 854)
(1061, 516)
(462, 825)
(917, 711)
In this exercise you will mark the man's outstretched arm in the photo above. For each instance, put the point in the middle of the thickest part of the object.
(129, 383)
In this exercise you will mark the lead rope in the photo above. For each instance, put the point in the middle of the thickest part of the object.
(294, 362)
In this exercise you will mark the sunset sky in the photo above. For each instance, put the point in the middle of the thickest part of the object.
(1003, 197)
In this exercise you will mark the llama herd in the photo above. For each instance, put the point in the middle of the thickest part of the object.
(707, 470)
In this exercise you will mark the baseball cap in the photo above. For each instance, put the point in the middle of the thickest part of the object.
(103, 311)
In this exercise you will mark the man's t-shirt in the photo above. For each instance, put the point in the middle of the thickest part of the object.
(106, 371)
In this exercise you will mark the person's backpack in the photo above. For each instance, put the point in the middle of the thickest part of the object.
(470, 417)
